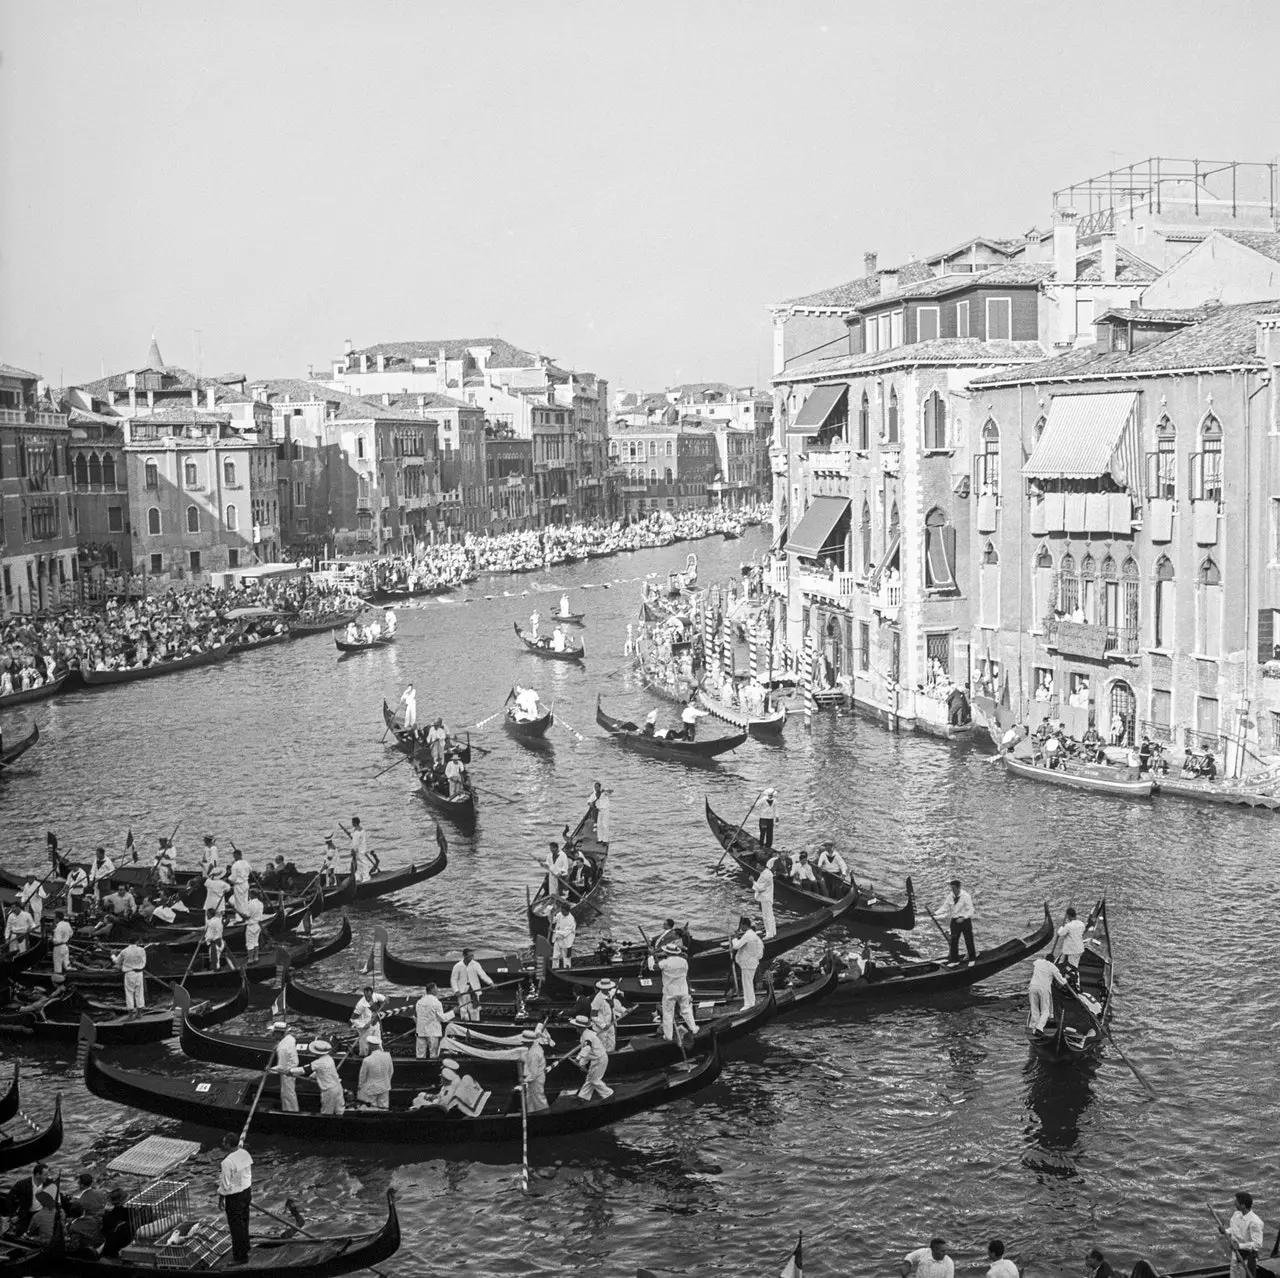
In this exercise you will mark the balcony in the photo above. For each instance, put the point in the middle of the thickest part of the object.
(29, 417)
(888, 600)
(1081, 639)
(776, 576)
(831, 459)
(833, 584)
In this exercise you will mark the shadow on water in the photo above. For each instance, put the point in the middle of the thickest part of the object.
(1057, 1096)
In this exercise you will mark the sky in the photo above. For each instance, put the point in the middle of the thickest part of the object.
(624, 187)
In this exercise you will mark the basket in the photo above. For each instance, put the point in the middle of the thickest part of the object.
(158, 1208)
(200, 1249)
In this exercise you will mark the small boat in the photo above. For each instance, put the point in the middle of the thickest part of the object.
(758, 725)
(578, 897)
(1220, 790)
(459, 808)
(13, 753)
(1075, 1026)
(629, 735)
(305, 1255)
(872, 910)
(97, 678)
(224, 1102)
(384, 882)
(409, 744)
(730, 534)
(302, 626)
(527, 729)
(569, 618)
(11, 1100)
(51, 688)
(677, 693)
(22, 1151)
(382, 641)
(1103, 778)
(922, 978)
(542, 647)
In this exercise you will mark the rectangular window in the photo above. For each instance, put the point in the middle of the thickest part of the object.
(927, 318)
(233, 558)
(885, 337)
(864, 646)
(1085, 326)
(869, 330)
(895, 328)
(115, 519)
(1161, 709)
(1207, 718)
(157, 563)
(938, 648)
(962, 319)
(195, 561)
(999, 319)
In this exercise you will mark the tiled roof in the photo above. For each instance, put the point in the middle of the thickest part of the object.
(955, 351)
(1008, 247)
(183, 415)
(174, 379)
(1010, 275)
(847, 296)
(1265, 242)
(1183, 315)
(8, 370)
(1129, 269)
(1226, 339)
(503, 353)
(430, 399)
(348, 407)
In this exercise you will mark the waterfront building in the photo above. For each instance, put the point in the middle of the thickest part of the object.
(664, 466)
(509, 480)
(1126, 547)
(100, 495)
(1227, 266)
(38, 562)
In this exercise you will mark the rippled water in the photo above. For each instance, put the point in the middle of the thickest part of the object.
(869, 1130)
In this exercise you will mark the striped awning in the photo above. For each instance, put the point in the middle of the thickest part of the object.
(890, 558)
(1088, 436)
(819, 530)
(814, 412)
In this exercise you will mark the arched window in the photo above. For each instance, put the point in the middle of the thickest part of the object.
(152, 473)
(1164, 477)
(193, 518)
(1163, 604)
(1038, 429)
(987, 479)
(989, 587)
(1068, 586)
(1089, 589)
(229, 473)
(1209, 485)
(95, 469)
(935, 423)
(153, 521)
(233, 518)
(667, 476)
(108, 470)
(895, 526)
(1130, 620)
(1209, 609)
(671, 447)
(1109, 598)
(864, 424)
(653, 475)
(190, 476)
(891, 428)
(1042, 585)
(939, 552)
(865, 529)
(81, 471)
(362, 486)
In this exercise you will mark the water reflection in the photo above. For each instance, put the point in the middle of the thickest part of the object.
(1057, 1096)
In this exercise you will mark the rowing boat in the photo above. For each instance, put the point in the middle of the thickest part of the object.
(225, 1102)
(410, 743)
(578, 896)
(527, 729)
(872, 910)
(50, 688)
(543, 648)
(382, 641)
(303, 626)
(15, 752)
(96, 678)
(459, 808)
(630, 735)
(305, 1255)
(1074, 1028)
(384, 882)
(759, 725)
(1102, 778)
(569, 618)
(38, 1145)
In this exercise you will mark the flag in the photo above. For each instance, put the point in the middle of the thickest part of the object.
(128, 840)
(794, 1268)
(368, 963)
(279, 1005)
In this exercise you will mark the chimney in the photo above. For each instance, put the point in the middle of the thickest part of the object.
(364, 363)
(195, 397)
(386, 395)
(1107, 260)
(1064, 246)
(382, 363)
(346, 347)
(869, 263)
(210, 397)
(888, 282)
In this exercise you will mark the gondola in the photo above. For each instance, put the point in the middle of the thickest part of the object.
(10, 1101)
(579, 897)
(758, 725)
(1102, 778)
(569, 618)
(384, 882)
(21, 1152)
(872, 910)
(305, 1256)
(98, 678)
(923, 978)
(15, 964)
(50, 688)
(629, 735)
(527, 729)
(382, 641)
(13, 753)
(460, 808)
(224, 1102)
(407, 743)
(1076, 1027)
(59, 1019)
(182, 940)
(302, 626)
(546, 651)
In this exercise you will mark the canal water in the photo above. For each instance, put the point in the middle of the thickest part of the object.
(869, 1131)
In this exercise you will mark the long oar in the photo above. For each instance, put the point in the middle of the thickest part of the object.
(253, 1109)
(569, 728)
(298, 1229)
(494, 715)
(404, 758)
(738, 831)
(1103, 1028)
(1235, 1246)
(496, 793)
(941, 932)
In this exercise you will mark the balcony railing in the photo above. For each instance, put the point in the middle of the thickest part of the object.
(30, 417)
(1193, 739)
(1156, 731)
(888, 599)
(829, 584)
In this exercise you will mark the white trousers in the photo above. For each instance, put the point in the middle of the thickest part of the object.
(747, 971)
(135, 998)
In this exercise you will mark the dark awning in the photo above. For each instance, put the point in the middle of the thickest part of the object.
(813, 414)
(817, 531)
(890, 556)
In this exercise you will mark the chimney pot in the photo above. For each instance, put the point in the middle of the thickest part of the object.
(1064, 246)
(1107, 257)
(346, 347)
(888, 282)
(869, 263)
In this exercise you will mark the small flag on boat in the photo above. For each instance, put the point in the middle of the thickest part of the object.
(128, 840)
(368, 963)
(279, 1004)
(51, 841)
(794, 1268)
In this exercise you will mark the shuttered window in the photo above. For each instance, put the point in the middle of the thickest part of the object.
(999, 319)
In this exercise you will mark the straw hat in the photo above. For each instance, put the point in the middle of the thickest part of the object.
(606, 985)
(320, 1046)
(280, 1026)
(533, 1036)
(673, 947)
(582, 1022)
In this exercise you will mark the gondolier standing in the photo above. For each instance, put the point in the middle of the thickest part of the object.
(62, 934)
(689, 716)
(762, 890)
(466, 981)
(675, 990)
(235, 1179)
(1244, 1229)
(100, 872)
(600, 804)
(564, 932)
(132, 961)
(748, 950)
(409, 703)
(1044, 976)
(957, 906)
(430, 1019)
(594, 1059)
(365, 1020)
(1072, 934)
(77, 884)
(286, 1064)
(768, 815)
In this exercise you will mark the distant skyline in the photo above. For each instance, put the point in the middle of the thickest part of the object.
(624, 188)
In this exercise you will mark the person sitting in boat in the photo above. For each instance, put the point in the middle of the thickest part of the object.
(832, 866)
(354, 634)
(1052, 750)
(528, 706)
(650, 728)
(802, 874)
(557, 640)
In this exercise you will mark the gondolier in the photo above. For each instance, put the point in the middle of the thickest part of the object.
(833, 865)
(376, 1073)
(363, 862)
(466, 981)
(32, 897)
(607, 1009)
(365, 1020)
(557, 867)
(235, 1180)
(17, 928)
(768, 816)
(77, 885)
(748, 950)
(165, 862)
(436, 740)
(1244, 1230)
(238, 880)
(209, 857)
(1045, 974)
(599, 804)
(689, 716)
(957, 906)
(286, 1065)
(594, 1059)
(100, 871)
(675, 990)
(762, 890)
(132, 961)
(564, 932)
(430, 1020)
(62, 933)
(929, 1262)
(325, 1072)
(1072, 935)
(409, 708)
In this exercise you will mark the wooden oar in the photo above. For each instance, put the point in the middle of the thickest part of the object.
(404, 758)
(1235, 1246)
(738, 831)
(298, 1229)
(253, 1109)
(496, 793)
(941, 932)
(568, 727)
(1103, 1028)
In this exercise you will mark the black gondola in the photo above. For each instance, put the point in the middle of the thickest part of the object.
(382, 641)
(527, 729)
(630, 735)
(411, 742)
(224, 1102)
(131, 674)
(577, 895)
(460, 808)
(543, 648)
(50, 688)
(306, 1256)
(11, 754)
(303, 626)
(1076, 1026)
(750, 855)
(30, 1149)
(384, 882)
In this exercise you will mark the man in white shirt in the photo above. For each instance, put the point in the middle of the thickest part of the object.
(430, 1019)
(364, 862)
(675, 991)
(762, 890)
(1244, 1230)
(286, 1063)
(1072, 934)
(61, 943)
(32, 897)
(235, 1180)
(599, 800)
(748, 950)
(215, 893)
(527, 707)
(165, 863)
(77, 885)
(593, 1059)
(768, 816)
(834, 870)
(929, 1262)
(132, 961)
(325, 1072)
(365, 1021)
(533, 624)
(564, 932)
(557, 640)
(100, 871)
(802, 874)
(1044, 976)
(607, 1009)
(252, 930)
(436, 740)
(957, 906)
(238, 879)
(409, 707)
(17, 928)
(557, 868)
(209, 857)
(213, 938)
(1000, 1265)
(466, 981)
(689, 716)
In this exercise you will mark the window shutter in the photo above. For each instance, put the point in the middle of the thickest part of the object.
(1266, 635)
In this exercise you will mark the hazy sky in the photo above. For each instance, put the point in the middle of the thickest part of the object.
(621, 186)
